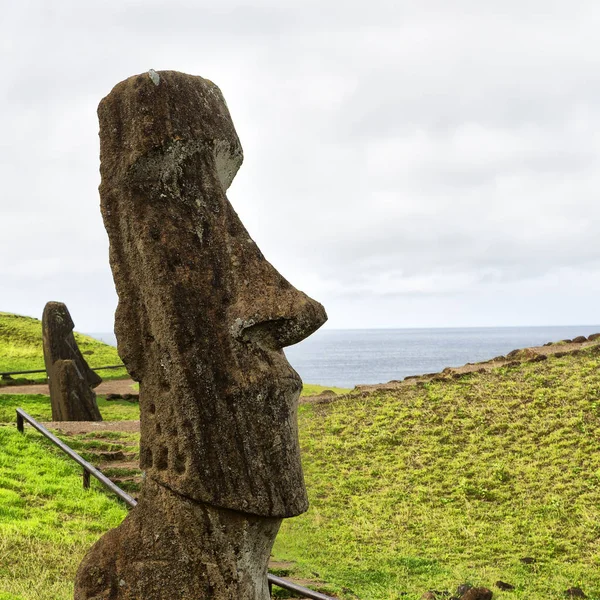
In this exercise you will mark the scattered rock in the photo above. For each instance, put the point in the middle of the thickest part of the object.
(477, 593)
(538, 358)
(580, 339)
(565, 341)
(513, 353)
(575, 592)
(327, 393)
(593, 337)
(560, 354)
(549, 344)
(463, 588)
(528, 560)
(504, 586)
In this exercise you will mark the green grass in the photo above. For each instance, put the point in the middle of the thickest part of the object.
(456, 481)
(47, 521)
(38, 407)
(428, 487)
(308, 389)
(21, 349)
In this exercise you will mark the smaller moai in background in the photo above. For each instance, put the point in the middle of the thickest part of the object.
(70, 378)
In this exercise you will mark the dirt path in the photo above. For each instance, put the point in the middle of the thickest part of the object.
(120, 386)
(116, 386)
(77, 427)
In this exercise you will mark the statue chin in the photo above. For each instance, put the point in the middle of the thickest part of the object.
(172, 547)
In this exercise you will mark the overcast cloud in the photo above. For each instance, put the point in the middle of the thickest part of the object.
(426, 163)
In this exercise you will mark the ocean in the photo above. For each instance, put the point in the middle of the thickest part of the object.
(347, 357)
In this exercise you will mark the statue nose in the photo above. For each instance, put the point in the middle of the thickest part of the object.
(289, 319)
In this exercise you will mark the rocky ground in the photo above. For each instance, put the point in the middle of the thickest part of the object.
(533, 354)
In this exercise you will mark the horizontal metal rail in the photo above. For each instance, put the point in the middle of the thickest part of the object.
(9, 373)
(293, 587)
(89, 469)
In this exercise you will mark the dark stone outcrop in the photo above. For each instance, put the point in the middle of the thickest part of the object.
(575, 592)
(70, 378)
(504, 586)
(477, 593)
(201, 323)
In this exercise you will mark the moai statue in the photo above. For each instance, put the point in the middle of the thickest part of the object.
(201, 323)
(70, 378)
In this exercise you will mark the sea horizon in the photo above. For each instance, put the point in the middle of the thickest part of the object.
(349, 357)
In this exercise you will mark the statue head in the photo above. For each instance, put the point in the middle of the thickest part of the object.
(203, 317)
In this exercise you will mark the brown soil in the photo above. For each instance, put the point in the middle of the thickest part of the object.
(116, 386)
(78, 427)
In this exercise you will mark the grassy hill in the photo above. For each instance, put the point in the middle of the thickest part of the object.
(21, 348)
(438, 483)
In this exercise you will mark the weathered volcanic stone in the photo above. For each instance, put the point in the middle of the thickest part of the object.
(201, 323)
(70, 378)
(174, 548)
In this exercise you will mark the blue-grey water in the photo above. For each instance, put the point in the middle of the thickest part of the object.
(347, 357)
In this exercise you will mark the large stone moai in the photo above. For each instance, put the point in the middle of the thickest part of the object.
(70, 378)
(201, 323)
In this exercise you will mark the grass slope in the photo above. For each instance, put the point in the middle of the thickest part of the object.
(47, 521)
(431, 486)
(21, 348)
(456, 481)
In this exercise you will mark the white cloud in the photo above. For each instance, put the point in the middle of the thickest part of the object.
(419, 162)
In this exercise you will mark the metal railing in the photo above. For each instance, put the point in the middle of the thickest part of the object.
(9, 373)
(90, 470)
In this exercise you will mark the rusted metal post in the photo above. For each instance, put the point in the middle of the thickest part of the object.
(86, 479)
(20, 423)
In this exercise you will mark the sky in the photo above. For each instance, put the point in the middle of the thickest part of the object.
(427, 163)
